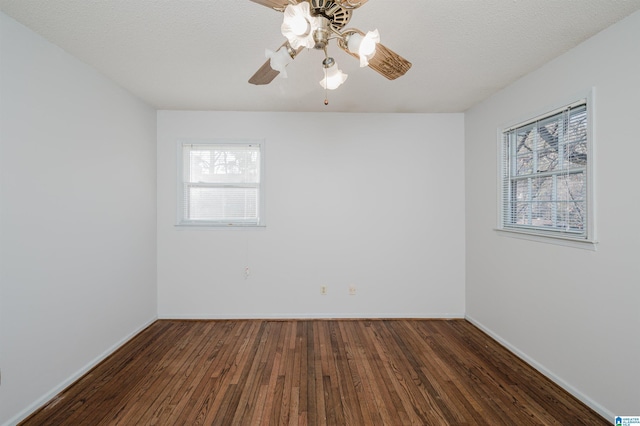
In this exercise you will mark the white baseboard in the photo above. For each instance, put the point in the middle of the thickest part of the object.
(308, 316)
(62, 386)
(545, 371)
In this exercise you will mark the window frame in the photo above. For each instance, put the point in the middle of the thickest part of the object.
(181, 221)
(588, 240)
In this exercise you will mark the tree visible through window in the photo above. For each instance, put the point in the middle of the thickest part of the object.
(544, 174)
(221, 184)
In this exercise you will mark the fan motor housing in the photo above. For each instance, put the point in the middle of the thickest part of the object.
(337, 15)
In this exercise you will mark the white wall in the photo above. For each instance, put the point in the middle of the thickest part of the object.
(362, 203)
(77, 244)
(578, 320)
(374, 201)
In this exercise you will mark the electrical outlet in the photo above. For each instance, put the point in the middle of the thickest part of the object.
(352, 290)
(323, 290)
(246, 273)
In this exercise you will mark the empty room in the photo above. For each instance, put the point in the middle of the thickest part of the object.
(323, 212)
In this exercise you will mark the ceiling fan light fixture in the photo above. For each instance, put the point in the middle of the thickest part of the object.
(363, 46)
(333, 76)
(313, 24)
(298, 25)
(280, 59)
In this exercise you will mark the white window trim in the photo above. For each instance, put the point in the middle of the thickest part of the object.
(551, 237)
(186, 224)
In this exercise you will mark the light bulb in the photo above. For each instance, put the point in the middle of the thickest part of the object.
(364, 47)
(298, 25)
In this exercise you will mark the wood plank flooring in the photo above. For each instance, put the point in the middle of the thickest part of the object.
(313, 372)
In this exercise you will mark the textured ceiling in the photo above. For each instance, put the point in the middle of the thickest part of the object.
(199, 54)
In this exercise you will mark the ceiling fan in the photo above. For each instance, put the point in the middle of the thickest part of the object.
(312, 24)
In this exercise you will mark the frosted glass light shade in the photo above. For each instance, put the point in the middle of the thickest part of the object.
(365, 46)
(333, 77)
(279, 59)
(298, 25)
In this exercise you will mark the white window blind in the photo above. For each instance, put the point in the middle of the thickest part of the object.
(544, 174)
(221, 184)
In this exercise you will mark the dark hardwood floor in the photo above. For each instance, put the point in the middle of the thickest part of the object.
(299, 372)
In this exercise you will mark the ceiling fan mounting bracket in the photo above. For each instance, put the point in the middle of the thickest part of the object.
(336, 12)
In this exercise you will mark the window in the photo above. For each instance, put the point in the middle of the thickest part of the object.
(545, 175)
(221, 183)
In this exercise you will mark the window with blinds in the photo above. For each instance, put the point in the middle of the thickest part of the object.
(545, 182)
(221, 183)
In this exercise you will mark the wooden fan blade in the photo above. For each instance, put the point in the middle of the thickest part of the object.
(354, 3)
(266, 74)
(389, 63)
(385, 61)
(278, 5)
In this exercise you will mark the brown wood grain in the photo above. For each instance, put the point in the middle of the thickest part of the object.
(306, 372)
(273, 4)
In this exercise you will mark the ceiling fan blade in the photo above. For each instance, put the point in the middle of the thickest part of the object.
(354, 3)
(385, 61)
(278, 5)
(389, 63)
(265, 73)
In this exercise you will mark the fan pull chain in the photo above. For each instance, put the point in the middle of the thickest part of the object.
(326, 91)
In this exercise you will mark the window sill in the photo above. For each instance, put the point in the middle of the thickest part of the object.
(218, 227)
(549, 239)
